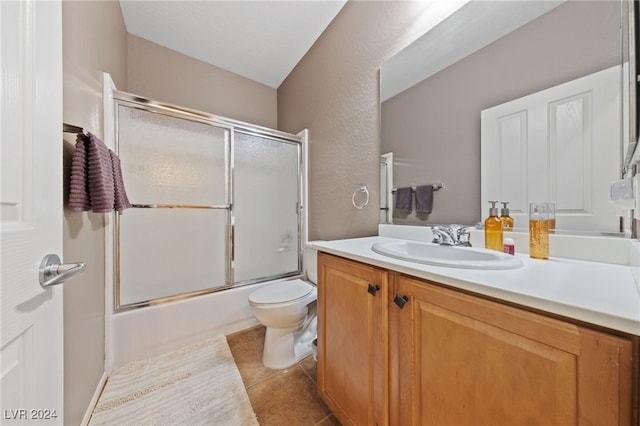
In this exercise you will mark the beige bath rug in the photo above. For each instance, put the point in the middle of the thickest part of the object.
(196, 385)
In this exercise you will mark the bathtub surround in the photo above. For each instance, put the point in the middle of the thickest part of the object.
(197, 384)
(128, 334)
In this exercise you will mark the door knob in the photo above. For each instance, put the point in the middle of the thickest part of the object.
(53, 272)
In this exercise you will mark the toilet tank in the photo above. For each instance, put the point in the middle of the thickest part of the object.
(311, 262)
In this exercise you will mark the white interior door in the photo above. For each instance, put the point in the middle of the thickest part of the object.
(559, 145)
(30, 210)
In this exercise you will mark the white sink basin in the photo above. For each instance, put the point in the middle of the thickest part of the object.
(452, 257)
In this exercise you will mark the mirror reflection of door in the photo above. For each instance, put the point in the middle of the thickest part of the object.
(386, 187)
(548, 146)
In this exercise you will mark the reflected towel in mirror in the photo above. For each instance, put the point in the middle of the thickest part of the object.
(404, 199)
(424, 198)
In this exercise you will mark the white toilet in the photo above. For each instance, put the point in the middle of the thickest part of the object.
(288, 310)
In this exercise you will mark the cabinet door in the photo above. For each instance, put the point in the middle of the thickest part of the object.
(464, 360)
(352, 340)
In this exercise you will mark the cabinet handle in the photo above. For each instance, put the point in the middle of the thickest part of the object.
(400, 300)
(373, 289)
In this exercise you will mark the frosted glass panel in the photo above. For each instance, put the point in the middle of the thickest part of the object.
(165, 252)
(167, 160)
(181, 170)
(265, 207)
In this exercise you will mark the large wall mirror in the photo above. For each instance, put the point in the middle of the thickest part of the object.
(493, 53)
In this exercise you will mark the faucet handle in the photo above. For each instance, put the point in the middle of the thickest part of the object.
(437, 235)
(464, 236)
(442, 235)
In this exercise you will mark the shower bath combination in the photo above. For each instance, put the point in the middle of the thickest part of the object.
(219, 201)
(217, 212)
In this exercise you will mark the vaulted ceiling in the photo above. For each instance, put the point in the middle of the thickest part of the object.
(259, 40)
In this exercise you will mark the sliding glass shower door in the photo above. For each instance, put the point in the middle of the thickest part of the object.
(266, 207)
(216, 204)
(174, 239)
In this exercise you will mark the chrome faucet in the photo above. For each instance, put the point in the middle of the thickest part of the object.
(442, 235)
(452, 235)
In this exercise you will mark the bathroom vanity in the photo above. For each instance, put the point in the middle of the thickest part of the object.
(553, 342)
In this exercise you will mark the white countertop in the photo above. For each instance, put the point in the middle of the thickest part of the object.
(598, 293)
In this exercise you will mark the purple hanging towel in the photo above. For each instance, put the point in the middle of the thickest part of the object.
(96, 178)
(121, 200)
(79, 184)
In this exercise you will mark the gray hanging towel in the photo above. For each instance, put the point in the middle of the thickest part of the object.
(424, 198)
(404, 199)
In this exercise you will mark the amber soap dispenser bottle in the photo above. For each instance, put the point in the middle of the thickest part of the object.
(507, 221)
(493, 229)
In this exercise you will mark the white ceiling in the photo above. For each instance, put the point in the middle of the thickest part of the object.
(259, 40)
(471, 26)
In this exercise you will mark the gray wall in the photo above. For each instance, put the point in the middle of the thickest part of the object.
(159, 73)
(333, 91)
(433, 128)
(94, 40)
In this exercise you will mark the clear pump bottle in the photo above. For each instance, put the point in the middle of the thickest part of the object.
(507, 221)
(493, 229)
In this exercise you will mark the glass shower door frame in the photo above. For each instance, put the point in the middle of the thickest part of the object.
(299, 205)
(131, 101)
(233, 126)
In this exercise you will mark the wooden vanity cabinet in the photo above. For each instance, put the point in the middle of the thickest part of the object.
(399, 350)
(464, 360)
(352, 345)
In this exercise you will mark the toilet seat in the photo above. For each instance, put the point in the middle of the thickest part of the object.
(282, 292)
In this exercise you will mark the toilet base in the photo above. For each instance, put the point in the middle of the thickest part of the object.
(283, 347)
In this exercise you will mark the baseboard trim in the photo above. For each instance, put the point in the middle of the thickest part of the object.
(94, 401)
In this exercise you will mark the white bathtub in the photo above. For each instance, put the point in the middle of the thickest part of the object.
(154, 330)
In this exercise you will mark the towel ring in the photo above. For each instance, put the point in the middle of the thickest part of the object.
(364, 189)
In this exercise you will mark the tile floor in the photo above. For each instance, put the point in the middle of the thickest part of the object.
(279, 397)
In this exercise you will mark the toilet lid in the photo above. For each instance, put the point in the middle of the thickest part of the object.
(285, 291)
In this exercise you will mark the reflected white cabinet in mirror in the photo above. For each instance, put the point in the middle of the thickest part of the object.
(433, 123)
(544, 147)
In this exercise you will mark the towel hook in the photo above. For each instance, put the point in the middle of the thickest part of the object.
(362, 188)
